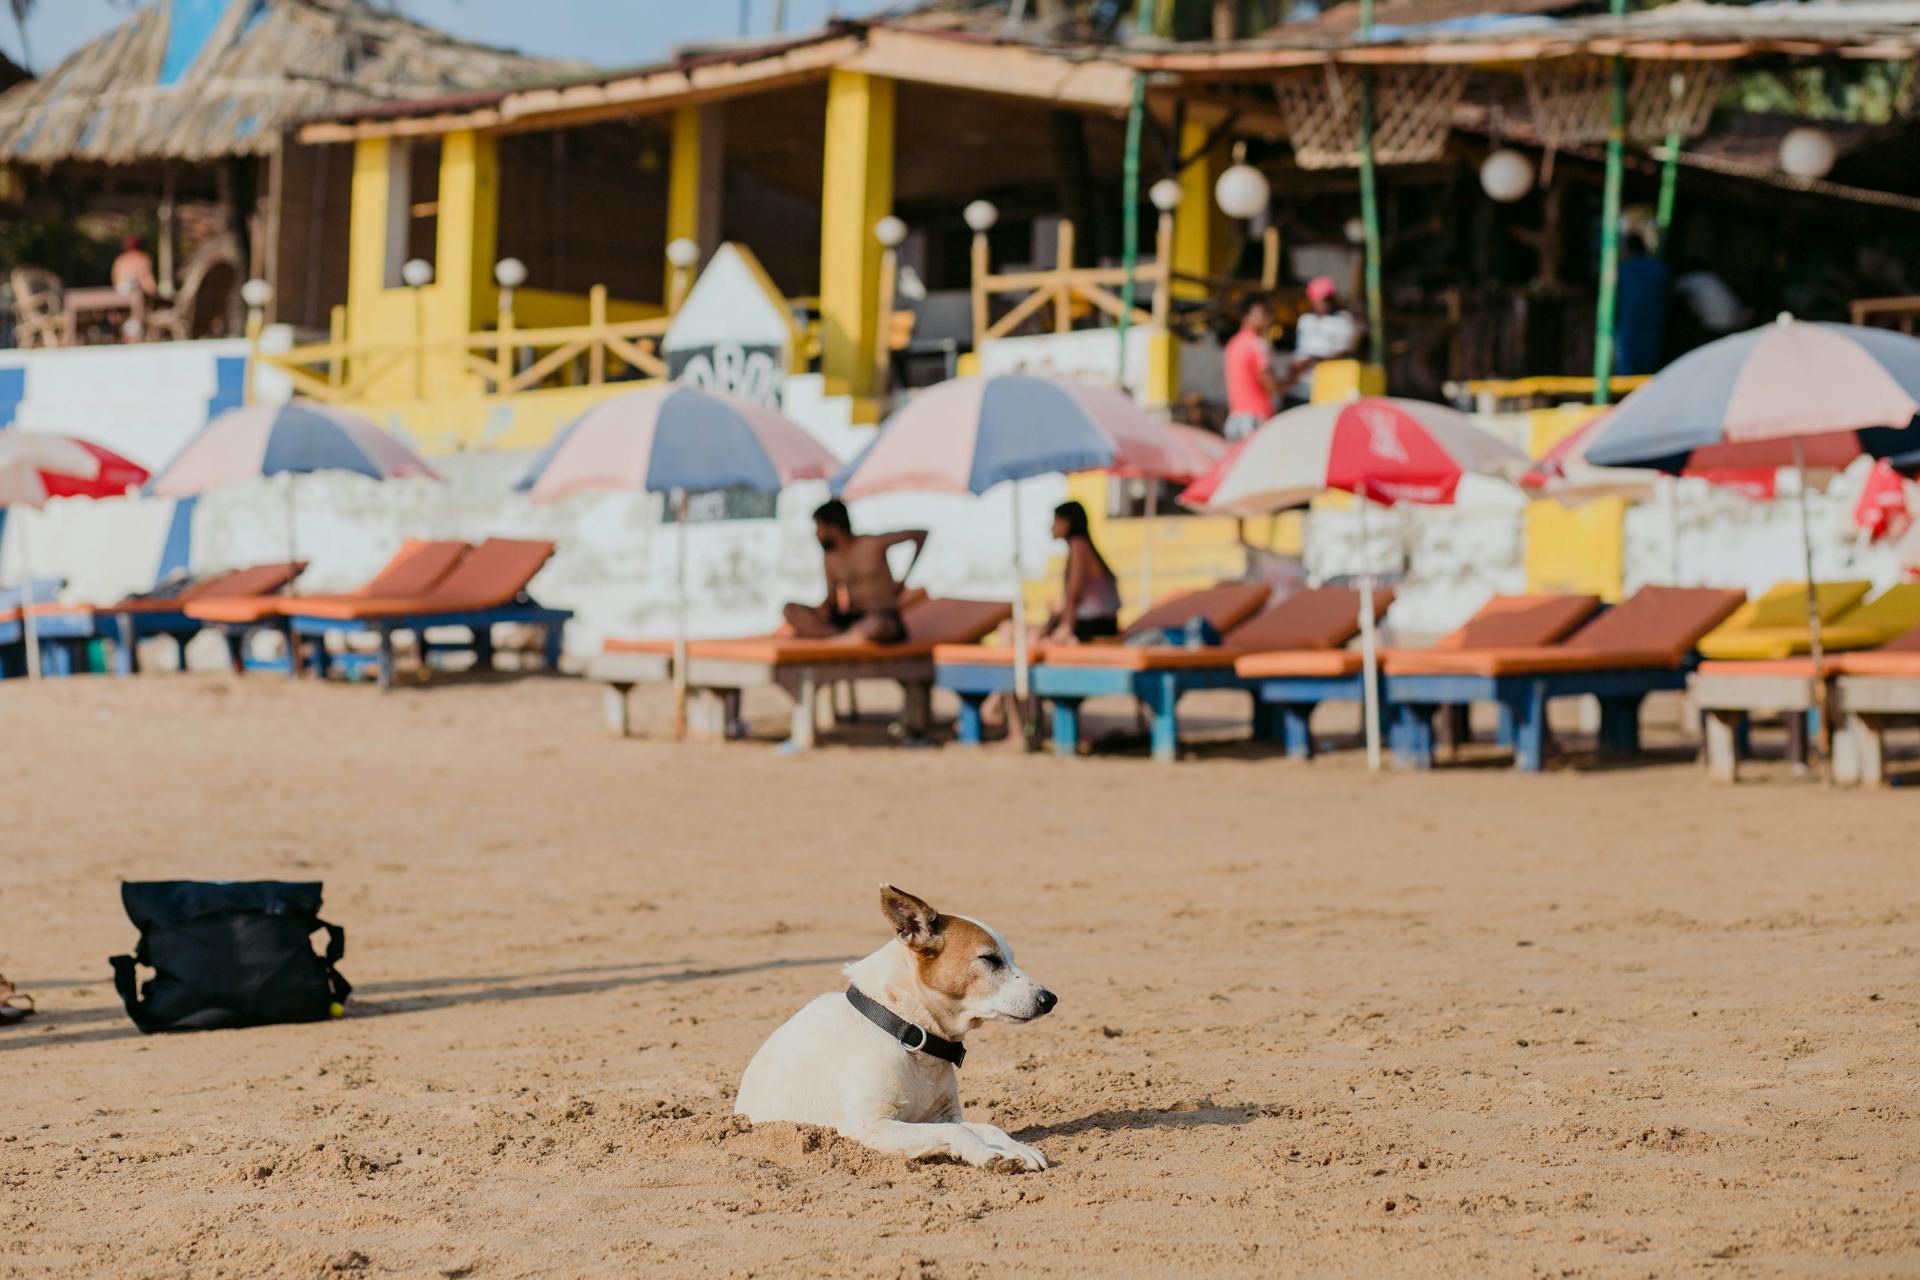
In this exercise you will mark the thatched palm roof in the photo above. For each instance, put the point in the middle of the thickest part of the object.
(198, 79)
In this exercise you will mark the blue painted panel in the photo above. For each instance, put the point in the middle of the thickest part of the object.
(176, 555)
(13, 389)
(190, 25)
(229, 385)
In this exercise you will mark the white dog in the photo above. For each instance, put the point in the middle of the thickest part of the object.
(876, 1062)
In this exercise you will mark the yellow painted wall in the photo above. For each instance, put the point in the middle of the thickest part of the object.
(1577, 549)
(1202, 235)
(857, 191)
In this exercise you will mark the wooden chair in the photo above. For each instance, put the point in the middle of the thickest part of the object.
(200, 308)
(38, 303)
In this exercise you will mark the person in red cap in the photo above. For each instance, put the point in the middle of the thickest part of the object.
(1325, 331)
(133, 269)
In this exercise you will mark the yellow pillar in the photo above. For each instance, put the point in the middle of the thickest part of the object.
(367, 234)
(468, 240)
(694, 176)
(1202, 235)
(856, 192)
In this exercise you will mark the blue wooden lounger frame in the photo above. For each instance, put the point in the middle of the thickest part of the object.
(1523, 700)
(479, 624)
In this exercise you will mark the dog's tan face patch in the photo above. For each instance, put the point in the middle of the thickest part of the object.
(965, 960)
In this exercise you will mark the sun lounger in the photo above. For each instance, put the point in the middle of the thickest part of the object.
(719, 670)
(1641, 646)
(416, 568)
(977, 672)
(1775, 624)
(487, 587)
(160, 612)
(1318, 620)
(1292, 684)
(1866, 689)
(13, 629)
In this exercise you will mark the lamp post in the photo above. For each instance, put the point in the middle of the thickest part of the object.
(1165, 196)
(258, 295)
(509, 274)
(1669, 166)
(682, 256)
(417, 274)
(980, 217)
(891, 232)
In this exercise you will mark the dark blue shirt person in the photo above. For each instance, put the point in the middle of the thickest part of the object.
(1640, 308)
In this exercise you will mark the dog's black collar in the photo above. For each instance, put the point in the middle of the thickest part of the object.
(911, 1035)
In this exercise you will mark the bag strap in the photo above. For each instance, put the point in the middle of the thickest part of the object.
(336, 951)
(127, 983)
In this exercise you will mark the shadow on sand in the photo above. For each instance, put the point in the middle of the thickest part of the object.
(403, 996)
(1177, 1117)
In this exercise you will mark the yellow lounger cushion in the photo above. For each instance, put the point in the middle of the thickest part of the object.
(1767, 627)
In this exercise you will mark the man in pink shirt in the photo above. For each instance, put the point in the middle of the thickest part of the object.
(1252, 389)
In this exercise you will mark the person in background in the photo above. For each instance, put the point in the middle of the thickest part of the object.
(1325, 331)
(863, 599)
(1089, 607)
(1253, 392)
(1641, 308)
(133, 269)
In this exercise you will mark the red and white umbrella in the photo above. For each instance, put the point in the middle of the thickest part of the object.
(1383, 449)
(37, 466)
(1190, 453)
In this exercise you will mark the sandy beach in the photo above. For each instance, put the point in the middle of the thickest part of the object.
(1614, 1022)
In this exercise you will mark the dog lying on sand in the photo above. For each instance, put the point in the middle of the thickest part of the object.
(876, 1062)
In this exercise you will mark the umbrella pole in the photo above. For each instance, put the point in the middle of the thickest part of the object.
(1369, 651)
(293, 587)
(1019, 615)
(1146, 546)
(680, 621)
(1673, 529)
(1817, 689)
(31, 625)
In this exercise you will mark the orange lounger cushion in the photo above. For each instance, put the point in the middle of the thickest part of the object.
(1511, 622)
(1658, 627)
(251, 581)
(931, 624)
(1323, 663)
(493, 574)
(1323, 618)
(1517, 662)
(415, 568)
(1795, 668)
(1876, 662)
(1225, 606)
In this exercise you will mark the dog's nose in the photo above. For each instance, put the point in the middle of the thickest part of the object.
(1046, 1000)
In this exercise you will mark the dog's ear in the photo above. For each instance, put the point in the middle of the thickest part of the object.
(912, 919)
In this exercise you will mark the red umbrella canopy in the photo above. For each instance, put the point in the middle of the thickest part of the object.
(36, 466)
(117, 474)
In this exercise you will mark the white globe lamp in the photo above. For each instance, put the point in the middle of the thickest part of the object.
(890, 231)
(1506, 175)
(1242, 191)
(509, 273)
(417, 273)
(1165, 195)
(1807, 153)
(981, 216)
(256, 294)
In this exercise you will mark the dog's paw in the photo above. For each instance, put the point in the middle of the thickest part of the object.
(1017, 1157)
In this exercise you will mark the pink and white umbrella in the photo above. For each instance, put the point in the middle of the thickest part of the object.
(679, 439)
(971, 434)
(37, 466)
(1382, 449)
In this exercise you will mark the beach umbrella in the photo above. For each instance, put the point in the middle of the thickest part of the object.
(38, 466)
(1882, 511)
(1199, 451)
(677, 439)
(1377, 448)
(970, 434)
(295, 438)
(1802, 390)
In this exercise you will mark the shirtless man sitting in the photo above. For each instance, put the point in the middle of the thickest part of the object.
(863, 600)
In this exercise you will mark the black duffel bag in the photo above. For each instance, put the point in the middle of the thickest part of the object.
(227, 954)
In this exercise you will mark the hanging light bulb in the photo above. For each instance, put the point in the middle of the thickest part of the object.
(1506, 175)
(1807, 153)
(1242, 191)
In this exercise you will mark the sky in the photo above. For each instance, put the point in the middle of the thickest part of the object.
(605, 32)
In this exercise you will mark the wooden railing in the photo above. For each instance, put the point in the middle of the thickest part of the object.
(1889, 313)
(1064, 293)
(507, 359)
